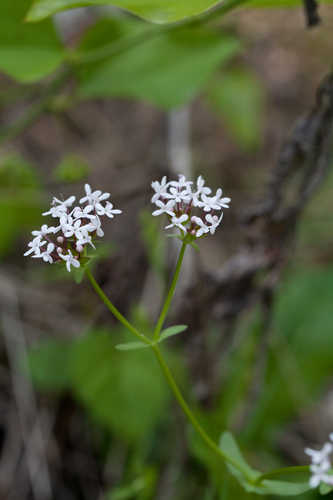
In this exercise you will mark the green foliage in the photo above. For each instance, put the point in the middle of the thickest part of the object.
(125, 393)
(171, 331)
(27, 52)
(142, 488)
(16, 173)
(20, 199)
(237, 97)
(168, 69)
(249, 476)
(131, 346)
(72, 168)
(300, 358)
(159, 11)
(49, 365)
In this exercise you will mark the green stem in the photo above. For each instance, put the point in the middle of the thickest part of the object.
(166, 371)
(168, 299)
(283, 470)
(113, 309)
(184, 406)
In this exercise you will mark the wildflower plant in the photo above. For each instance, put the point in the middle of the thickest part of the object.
(76, 228)
(195, 212)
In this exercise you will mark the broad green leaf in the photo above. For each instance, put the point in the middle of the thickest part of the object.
(167, 70)
(131, 346)
(27, 52)
(237, 96)
(127, 394)
(48, 365)
(158, 11)
(172, 330)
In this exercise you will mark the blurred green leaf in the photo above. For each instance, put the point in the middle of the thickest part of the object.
(49, 365)
(300, 352)
(172, 330)
(15, 172)
(131, 346)
(125, 393)
(20, 199)
(265, 487)
(27, 52)
(324, 488)
(142, 488)
(237, 96)
(72, 168)
(158, 11)
(160, 70)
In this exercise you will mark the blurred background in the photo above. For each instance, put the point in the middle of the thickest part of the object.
(246, 100)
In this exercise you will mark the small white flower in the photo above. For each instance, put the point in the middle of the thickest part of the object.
(159, 188)
(59, 207)
(177, 195)
(35, 246)
(95, 225)
(215, 202)
(178, 222)
(44, 230)
(107, 210)
(46, 255)
(182, 183)
(203, 228)
(70, 260)
(320, 465)
(165, 208)
(78, 213)
(93, 197)
(214, 222)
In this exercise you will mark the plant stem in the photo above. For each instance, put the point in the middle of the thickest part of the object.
(113, 309)
(187, 411)
(171, 292)
(283, 470)
(166, 371)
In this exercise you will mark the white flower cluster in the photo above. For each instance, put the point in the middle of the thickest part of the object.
(321, 464)
(189, 206)
(76, 228)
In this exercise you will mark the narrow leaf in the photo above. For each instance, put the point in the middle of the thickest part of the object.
(131, 346)
(172, 330)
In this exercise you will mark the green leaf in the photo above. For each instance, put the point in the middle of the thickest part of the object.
(27, 52)
(229, 446)
(324, 488)
(126, 394)
(158, 11)
(131, 346)
(172, 330)
(72, 168)
(160, 70)
(265, 487)
(237, 96)
(48, 365)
